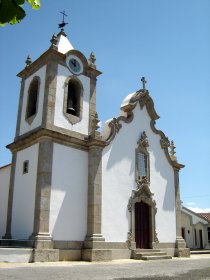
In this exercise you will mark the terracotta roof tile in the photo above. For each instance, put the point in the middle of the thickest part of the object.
(206, 216)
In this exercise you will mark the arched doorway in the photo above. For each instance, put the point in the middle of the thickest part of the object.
(142, 225)
(143, 209)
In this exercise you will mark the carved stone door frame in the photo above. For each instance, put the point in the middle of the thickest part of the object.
(143, 194)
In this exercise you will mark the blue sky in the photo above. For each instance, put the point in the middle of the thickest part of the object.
(168, 42)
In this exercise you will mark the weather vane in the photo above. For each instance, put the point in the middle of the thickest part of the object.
(61, 25)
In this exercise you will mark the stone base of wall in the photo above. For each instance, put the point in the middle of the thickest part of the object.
(70, 255)
(93, 251)
(182, 253)
(96, 255)
(121, 254)
(45, 255)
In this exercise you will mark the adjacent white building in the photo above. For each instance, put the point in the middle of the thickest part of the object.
(195, 229)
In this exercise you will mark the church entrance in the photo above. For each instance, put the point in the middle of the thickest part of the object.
(142, 225)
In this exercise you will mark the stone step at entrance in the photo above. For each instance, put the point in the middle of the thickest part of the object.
(149, 254)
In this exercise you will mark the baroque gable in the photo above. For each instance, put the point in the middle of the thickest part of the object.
(141, 97)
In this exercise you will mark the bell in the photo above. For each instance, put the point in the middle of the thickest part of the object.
(70, 108)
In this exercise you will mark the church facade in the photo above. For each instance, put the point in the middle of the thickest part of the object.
(75, 193)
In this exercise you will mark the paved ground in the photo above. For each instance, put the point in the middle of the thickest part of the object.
(195, 268)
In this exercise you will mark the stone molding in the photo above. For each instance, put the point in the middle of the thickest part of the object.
(115, 126)
(29, 120)
(49, 55)
(73, 119)
(143, 144)
(143, 194)
(165, 144)
(20, 108)
(142, 98)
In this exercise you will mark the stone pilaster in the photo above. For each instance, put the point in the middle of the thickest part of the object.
(41, 233)
(181, 250)
(20, 107)
(94, 194)
(92, 103)
(10, 198)
(94, 236)
(50, 94)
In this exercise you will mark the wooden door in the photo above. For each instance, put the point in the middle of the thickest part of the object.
(142, 222)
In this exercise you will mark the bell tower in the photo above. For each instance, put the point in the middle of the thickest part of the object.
(58, 90)
(56, 125)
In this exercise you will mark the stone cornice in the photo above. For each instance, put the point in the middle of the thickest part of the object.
(115, 126)
(164, 142)
(41, 61)
(37, 135)
(143, 98)
(73, 139)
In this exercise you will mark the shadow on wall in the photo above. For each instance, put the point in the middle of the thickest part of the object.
(165, 170)
(70, 216)
(121, 150)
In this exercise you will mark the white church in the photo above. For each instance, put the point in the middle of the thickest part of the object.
(74, 193)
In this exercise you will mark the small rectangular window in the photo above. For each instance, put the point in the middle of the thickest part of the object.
(25, 166)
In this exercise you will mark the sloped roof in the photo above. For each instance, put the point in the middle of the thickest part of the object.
(206, 216)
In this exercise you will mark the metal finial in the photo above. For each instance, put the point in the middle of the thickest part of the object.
(28, 61)
(63, 23)
(92, 60)
(172, 151)
(143, 80)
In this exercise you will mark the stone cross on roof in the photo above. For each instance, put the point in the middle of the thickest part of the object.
(143, 80)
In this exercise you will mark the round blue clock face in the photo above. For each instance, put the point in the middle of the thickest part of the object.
(75, 65)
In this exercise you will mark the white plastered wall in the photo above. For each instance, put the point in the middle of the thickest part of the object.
(118, 181)
(4, 191)
(59, 119)
(25, 126)
(24, 193)
(68, 206)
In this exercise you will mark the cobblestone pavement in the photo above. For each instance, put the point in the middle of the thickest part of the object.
(195, 268)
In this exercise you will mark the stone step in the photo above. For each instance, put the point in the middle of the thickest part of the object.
(152, 258)
(17, 255)
(149, 254)
(152, 254)
(146, 250)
